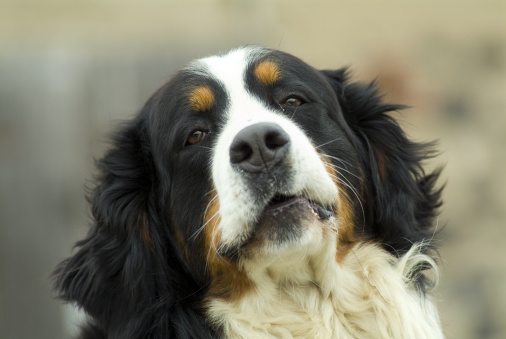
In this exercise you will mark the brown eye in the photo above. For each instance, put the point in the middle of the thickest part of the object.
(292, 102)
(196, 137)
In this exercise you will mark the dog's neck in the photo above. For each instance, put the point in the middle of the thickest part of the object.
(311, 295)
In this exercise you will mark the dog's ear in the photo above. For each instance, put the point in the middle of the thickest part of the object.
(126, 274)
(109, 273)
(401, 200)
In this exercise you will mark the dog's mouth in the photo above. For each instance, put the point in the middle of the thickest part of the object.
(281, 202)
(284, 219)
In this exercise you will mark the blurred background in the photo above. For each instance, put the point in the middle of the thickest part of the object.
(69, 70)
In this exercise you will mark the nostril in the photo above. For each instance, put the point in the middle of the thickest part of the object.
(240, 151)
(276, 139)
(258, 147)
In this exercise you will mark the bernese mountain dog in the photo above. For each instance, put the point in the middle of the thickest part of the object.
(255, 196)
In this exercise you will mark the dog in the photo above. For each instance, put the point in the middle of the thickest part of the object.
(254, 196)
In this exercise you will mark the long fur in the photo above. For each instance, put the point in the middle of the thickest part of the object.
(134, 279)
(130, 289)
(365, 297)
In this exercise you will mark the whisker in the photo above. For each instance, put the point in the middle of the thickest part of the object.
(328, 142)
(325, 155)
(281, 39)
(213, 246)
(211, 191)
(345, 170)
(194, 235)
(295, 111)
(212, 200)
(334, 167)
(337, 159)
(354, 191)
(205, 147)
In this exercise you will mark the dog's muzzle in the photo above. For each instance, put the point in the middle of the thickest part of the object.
(260, 152)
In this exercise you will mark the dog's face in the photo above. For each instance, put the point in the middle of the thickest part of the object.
(258, 155)
(243, 163)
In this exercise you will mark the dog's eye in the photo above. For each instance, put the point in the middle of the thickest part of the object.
(292, 102)
(196, 137)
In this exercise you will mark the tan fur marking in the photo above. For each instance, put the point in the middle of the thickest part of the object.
(201, 99)
(267, 72)
(346, 235)
(344, 211)
(229, 282)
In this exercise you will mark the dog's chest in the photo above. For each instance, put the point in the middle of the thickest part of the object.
(366, 297)
(285, 312)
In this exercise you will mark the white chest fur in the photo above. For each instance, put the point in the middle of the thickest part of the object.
(368, 295)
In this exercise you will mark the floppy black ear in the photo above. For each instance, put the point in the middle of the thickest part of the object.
(125, 273)
(110, 272)
(401, 200)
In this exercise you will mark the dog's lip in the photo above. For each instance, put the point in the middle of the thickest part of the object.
(280, 209)
(280, 201)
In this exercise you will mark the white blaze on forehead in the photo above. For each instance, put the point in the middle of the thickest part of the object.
(230, 71)
(238, 210)
(230, 68)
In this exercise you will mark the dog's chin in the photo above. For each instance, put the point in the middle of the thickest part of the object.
(286, 223)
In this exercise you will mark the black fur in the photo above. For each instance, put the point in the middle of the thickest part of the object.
(130, 288)
(130, 273)
(402, 205)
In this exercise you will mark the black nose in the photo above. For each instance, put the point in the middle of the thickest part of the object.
(259, 147)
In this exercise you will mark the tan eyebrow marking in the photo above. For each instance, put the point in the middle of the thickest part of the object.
(201, 99)
(267, 72)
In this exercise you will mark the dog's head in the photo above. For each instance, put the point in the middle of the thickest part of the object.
(242, 160)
